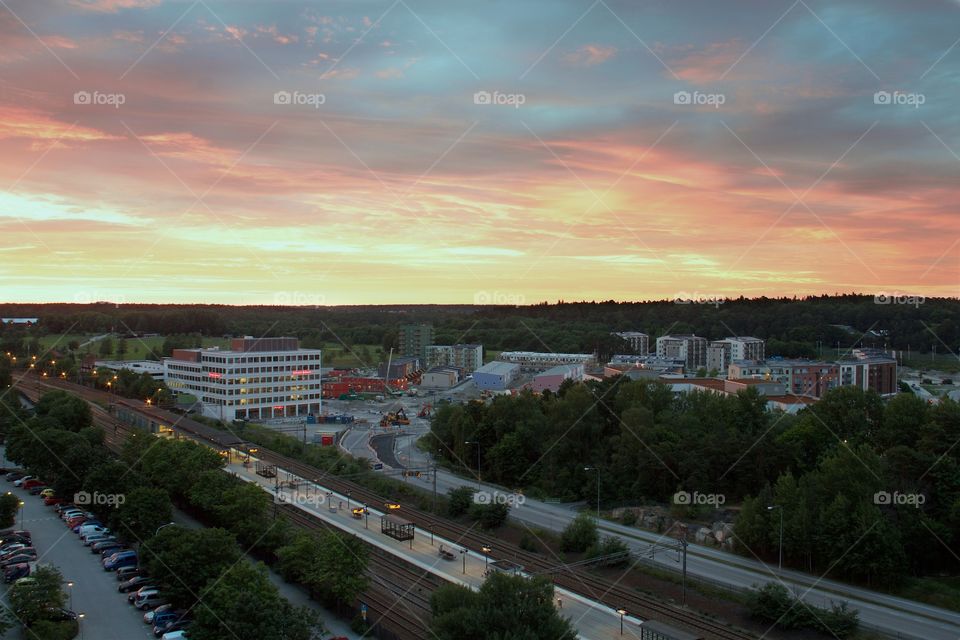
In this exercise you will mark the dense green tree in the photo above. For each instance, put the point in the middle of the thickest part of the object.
(143, 511)
(504, 607)
(580, 534)
(186, 561)
(31, 601)
(9, 507)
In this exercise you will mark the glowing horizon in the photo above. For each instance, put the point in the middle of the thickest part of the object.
(412, 152)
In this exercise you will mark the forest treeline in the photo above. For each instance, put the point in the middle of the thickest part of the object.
(793, 327)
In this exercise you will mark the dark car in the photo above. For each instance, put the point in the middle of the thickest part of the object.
(133, 584)
(15, 552)
(125, 573)
(60, 615)
(107, 547)
(35, 491)
(18, 559)
(6, 533)
(171, 625)
(16, 571)
(14, 475)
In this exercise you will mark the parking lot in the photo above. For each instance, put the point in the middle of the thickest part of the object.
(107, 616)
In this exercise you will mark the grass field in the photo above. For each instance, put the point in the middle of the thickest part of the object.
(334, 354)
(945, 362)
(940, 592)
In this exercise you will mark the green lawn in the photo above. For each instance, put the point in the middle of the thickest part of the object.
(60, 342)
(940, 592)
(945, 362)
(358, 355)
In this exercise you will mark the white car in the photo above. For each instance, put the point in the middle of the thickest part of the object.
(19, 483)
(175, 635)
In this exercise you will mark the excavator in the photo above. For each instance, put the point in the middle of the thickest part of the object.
(395, 419)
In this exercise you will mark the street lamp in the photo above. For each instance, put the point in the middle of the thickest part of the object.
(162, 526)
(597, 469)
(349, 493)
(70, 589)
(463, 554)
(478, 459)
(486, 550)
(80, 617)
(366, 516)
(22, 503)
(622, 613)
(780, 508)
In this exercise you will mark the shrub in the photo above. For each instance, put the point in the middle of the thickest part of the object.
(629, 518)
(459, 501)
(580, 535)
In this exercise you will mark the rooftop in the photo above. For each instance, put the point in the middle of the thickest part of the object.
(497, 368)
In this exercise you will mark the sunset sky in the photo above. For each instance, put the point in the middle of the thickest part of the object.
(148, 151)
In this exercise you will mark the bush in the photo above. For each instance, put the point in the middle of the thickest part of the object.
(9, 504)
(773, 603)
(629, 518)
(358, 625)
(459, 501)
(580, 535)
(490, 516)
(47, 630)
(608, 547)
(528, 544)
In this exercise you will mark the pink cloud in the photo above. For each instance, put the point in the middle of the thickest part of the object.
(707, 64)
(112, 6)
(590, 55)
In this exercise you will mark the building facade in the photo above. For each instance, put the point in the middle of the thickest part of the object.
(468, 357)
(720, 353)
(441, 378)
(555, 376)
(639, 342)
(533, 359)
(257, 379)
(689, 348)
(414, 340)
(496, 375)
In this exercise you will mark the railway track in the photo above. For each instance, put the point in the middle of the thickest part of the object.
(577, 580)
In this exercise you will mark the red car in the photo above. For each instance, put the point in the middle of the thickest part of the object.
(52, 500)
(72, 522)
(33, 482)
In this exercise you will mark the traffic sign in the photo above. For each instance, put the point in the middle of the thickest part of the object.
(378, 466)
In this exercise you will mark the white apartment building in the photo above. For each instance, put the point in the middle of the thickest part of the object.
(257, 379)
(689, 348)
(468, 357)
(536, 359)
(720, 353)
(639, 342)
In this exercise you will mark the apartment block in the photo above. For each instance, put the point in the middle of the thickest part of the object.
(691, 349)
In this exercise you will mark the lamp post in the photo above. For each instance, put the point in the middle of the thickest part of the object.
(486, 551)
(80, 618)
(70, 591)
(780, 508)
(162, 526)
(22, 503)
(622, 613)
(349, 493)
(366, 516)
(597, 469)
(463, 554)
(478, 459)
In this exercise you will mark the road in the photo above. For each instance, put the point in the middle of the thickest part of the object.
(878, 611)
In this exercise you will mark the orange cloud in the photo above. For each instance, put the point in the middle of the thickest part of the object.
(22, 123)
(112, 6)
(708, 64)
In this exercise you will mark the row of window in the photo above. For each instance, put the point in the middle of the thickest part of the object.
(299, 357)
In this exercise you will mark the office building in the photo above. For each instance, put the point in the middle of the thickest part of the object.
(256, 379)
(534, 360)
(691, 349)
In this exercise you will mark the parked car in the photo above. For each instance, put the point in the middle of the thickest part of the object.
(19, 559)
(89, 541)
(87, 529)
(13, 546)
(52, 500)
(164, 618)
(66, 506)
(30, 483)
(126, 573)
(35, 491)
(16, 571)
(14, 475)
(21, 479)
(149, 600)
(175, 624)
(151, 615)
(60, 615)
(47, 492)
(106, 548)
(142, 591)
(133, 584)
(122, 559)
(176, 635)
(22, 550)
(14, 532)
